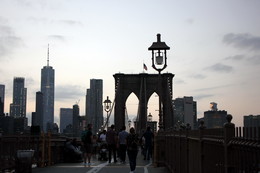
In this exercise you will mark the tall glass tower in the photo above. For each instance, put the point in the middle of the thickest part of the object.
(94, 104)
(47, 89)
(18, 107)
(2, 99)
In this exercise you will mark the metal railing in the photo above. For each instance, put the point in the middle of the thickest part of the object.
(48, 149)
(227, 150)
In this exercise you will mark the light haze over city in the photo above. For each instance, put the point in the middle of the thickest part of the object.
(215, 49)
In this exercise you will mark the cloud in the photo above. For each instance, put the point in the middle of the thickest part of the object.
(38, 20)
(8, 41)
(190, 21)
(235, 57)
(244, 41)
(202, 96)
(220, 68)
(67, 92)
(215, 87)
(71, 22)
(44, 21)
(57, 37)
(179, 81)
(30, 81)
(255, 60)
(198, 76)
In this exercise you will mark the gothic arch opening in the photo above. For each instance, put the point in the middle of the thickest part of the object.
(153, 107)
(131, 109)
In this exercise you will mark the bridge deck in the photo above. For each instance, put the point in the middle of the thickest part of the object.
(143, 166)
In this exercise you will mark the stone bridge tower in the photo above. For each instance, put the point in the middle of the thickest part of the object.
(143, 85)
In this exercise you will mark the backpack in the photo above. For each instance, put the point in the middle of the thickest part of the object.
(132, 142)
(86, 137)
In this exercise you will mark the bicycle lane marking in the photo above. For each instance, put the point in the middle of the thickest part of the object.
(146, 166)
(97, 168)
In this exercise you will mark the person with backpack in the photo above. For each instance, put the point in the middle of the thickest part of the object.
(132, 148)
(86, 139)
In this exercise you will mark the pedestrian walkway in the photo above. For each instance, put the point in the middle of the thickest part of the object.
(143, 166)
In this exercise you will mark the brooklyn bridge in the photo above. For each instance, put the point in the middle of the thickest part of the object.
(228, 149)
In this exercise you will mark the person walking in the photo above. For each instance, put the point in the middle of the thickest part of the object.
(148, 138)
(132, 149)
(111, 138)
(86, 139)
(102, 137)
(122, 144)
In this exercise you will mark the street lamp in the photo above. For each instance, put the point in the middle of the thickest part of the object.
(107, 105)
(159, 56)
(159, 63)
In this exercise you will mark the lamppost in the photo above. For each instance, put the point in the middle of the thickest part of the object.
(159, 63)
(107, 105)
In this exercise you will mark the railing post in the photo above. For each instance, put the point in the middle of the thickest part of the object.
(187, 149)
(229, 133)
(42, 147)
(159, 149)
(49, 149)
(201, 155)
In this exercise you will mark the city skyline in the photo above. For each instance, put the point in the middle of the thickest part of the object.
(215, 49)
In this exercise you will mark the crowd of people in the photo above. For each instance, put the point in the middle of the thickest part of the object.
(111, 145)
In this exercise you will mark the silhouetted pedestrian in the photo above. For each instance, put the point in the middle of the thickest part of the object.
(148, 136)
(122, 144)
(111, 138)
(87, 138)
(132, 148)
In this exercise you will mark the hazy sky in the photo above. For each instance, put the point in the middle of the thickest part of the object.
(215, 48)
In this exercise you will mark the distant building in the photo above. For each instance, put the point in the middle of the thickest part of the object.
(33, 119)
(6, 124)
(66, 116)
(2, 99)
(47, 89)
(94, 104)
(76, 121)
(38, 119)
(252, 121)
(20, 124)
(18, 107)
(185, 112)
(214, 118)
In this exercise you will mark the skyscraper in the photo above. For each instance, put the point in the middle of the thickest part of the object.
(185, 111)
(39, 110)
(94, 104)
(214, 118)
(75, 120)
(66, 118)
(18, 107)
(2, 99)
(47, 89)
